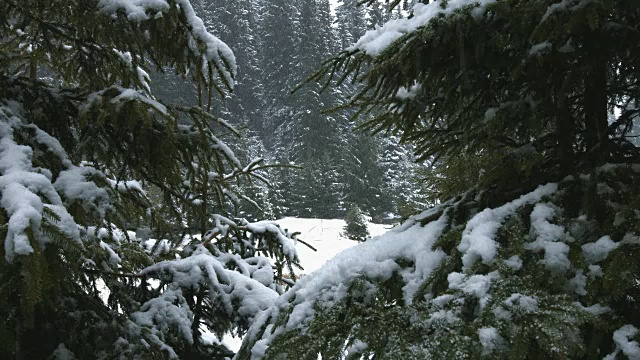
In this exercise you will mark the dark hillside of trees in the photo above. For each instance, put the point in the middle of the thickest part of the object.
(278, 44)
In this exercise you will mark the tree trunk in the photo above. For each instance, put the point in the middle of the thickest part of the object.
(596, 124)
(18, 349)
(564, 129)
(33, 69)
(595, 112)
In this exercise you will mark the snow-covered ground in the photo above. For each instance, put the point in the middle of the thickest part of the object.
(322, 234)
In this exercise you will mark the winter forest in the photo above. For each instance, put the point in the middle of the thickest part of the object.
(277, 45)
(159, 158)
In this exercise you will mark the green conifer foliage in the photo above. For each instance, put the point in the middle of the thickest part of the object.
(363, 175)
(507, 78)
(356, 227)
(525, 108)
(547, 281)
(116, 210)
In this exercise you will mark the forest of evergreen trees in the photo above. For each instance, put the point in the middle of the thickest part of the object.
(278, 44)
(146, 144)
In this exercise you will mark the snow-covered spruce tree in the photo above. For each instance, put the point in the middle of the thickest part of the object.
(538, 263)
(116, 242)
(350, 22)
(361, 158)
(364, 175)
(316, 140)
(256, 202)
(381, 11)
(235, 22)
(280, 70)
(356, 225)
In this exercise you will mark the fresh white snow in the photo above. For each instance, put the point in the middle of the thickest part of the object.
(374, 259)
(624, 343)
(549, 238)
(478, 238)
(374, 42)
(25, 191)
(490, 339)
(324, 235)
(599, 250)
(377, 259)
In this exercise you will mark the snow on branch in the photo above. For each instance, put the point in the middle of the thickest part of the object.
(142, 10)
(624, 343)
(165, 312)
(472, 260)
(374, 42)
(375, 259)
(36, 199)
(236, 292)
(284, 239)
(28, 192)
(478, 239)
(117, 95)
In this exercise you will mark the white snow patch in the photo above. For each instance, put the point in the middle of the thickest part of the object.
(126, 185)
(578, 283)
(596, 309)
(524, 302)
(501, 313)
(138, 10)
(410, 93)
(357, 347)
(25, 191)
(114, 259)
(74, 186)
(514, 262)
(324, 235)
(624, 343)
(539, 49)
(595, 271)
(490, 113)
(443, 316)
(549, 238)
(475, 285)
(163, 314)
(374, 42)
(233, 289)
(599, 250)
(478, 241)
(490, 339)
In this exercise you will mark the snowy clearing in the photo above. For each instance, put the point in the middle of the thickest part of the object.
(324, 235)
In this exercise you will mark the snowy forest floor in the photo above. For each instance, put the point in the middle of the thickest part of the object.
(324, 235)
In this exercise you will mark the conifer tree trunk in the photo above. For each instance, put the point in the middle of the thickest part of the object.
(564, 128)
(33, 69)
(18, 350)
(595, 111)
